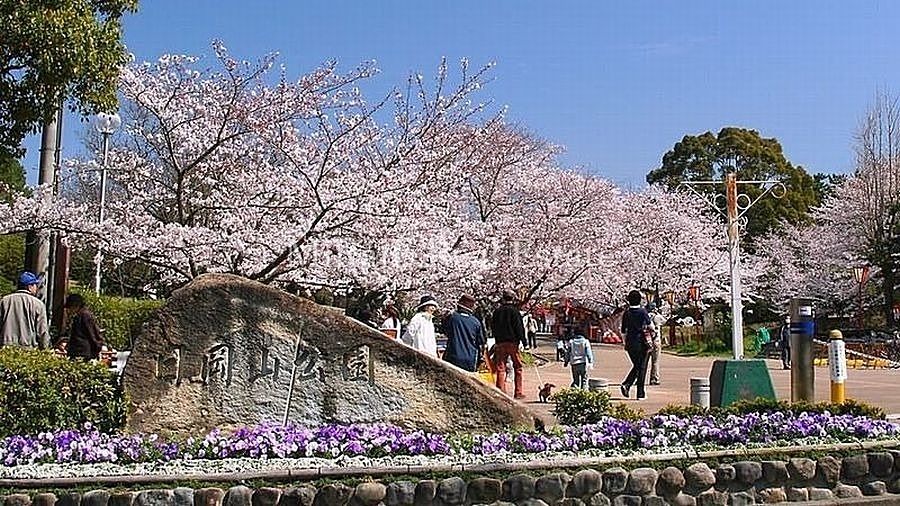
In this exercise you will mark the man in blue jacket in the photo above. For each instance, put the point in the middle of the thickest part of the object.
(465, 335)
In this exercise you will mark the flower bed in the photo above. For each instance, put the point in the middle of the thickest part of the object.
(656, 434)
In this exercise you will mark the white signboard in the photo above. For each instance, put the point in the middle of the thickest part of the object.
(837, 360)
(805, 310)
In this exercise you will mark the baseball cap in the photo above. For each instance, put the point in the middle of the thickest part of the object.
(28, 279)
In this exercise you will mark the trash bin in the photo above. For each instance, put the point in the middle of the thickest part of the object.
(598, 384)
(700, 392)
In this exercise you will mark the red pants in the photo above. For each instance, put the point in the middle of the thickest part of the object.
(501, 352)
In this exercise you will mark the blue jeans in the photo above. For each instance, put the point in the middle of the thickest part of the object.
(579, 376)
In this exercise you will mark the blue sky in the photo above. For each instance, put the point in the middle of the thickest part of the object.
(616, 83)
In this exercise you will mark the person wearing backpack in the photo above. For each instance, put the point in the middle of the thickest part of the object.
(637, 330)
(580, 357)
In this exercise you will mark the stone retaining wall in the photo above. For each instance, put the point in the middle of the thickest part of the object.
(876, 473)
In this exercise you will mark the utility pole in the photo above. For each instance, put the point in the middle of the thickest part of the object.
(38, 243)
(734, 257)
(732, 380)
(736, 206)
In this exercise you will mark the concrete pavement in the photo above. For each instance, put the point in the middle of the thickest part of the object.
(874, 386)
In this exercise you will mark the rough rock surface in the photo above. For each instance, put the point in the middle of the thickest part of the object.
(226, 351)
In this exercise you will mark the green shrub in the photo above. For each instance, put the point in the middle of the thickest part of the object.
(855, 408)
(12, 251)
(574, 406)
(42, 391)
(763, 405)
(685, 411)
(119, 317)
(848, 407)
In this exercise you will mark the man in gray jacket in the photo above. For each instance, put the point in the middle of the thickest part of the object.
(23, 316)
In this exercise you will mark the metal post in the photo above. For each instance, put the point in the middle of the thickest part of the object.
(734, 253)
(802, 333)
(837, 364)
(99, 257)
(859, 308)
(37, 245)
(736, 206)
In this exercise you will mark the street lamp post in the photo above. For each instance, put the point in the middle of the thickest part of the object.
(736, 205)
(861, 275)
(106, 124)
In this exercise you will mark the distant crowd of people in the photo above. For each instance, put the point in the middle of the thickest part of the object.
(512, 330)
(467, 335)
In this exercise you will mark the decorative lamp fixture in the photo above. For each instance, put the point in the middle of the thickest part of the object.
(106, 123)
(861, 274)
(669, 296)
(694, 292)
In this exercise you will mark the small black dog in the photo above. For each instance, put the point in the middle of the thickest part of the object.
(544, 393)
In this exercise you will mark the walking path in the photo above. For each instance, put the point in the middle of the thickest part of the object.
(874, 386)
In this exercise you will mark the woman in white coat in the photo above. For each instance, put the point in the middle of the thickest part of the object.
(420, 331)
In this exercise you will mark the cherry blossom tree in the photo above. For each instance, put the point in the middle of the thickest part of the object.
(221, 172)
(225, 167)
(673, 242)
(858, 224)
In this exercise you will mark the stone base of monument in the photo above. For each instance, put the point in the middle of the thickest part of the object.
(734, 380)
(226, 352)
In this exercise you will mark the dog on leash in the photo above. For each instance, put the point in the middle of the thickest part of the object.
(544, 392)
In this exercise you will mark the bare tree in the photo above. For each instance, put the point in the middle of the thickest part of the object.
(878, 176)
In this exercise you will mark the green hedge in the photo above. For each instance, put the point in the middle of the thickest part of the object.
(41, 391)
(119, 317)
(762, 405)
(574, 406)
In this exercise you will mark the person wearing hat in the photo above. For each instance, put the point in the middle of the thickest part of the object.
(420, 331)
(85, 341)
(391, 325)
(508, 331)
(23, 316)
(465, 335)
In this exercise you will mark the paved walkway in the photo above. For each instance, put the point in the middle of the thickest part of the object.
(875, 386)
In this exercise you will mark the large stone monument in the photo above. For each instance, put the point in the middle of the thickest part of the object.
(226, 352)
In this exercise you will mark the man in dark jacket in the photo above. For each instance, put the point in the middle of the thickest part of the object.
(508, 330)
(634, 322)
(85, 340)
(465, 335)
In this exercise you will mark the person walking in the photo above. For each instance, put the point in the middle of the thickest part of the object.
(560, 348)
(420, 331)
(658, 321)
(23, 316)
(508, 332)
(531, 328)
(785, 342)
(634, 323)
(465, 335)
(85, 340)
(391, 325)
(580, 358)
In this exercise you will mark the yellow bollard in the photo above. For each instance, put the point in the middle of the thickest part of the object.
(837, 363)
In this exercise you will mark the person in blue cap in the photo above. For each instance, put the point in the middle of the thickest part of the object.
(23, 316)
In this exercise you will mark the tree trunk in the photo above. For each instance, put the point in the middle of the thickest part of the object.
(888, 273)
